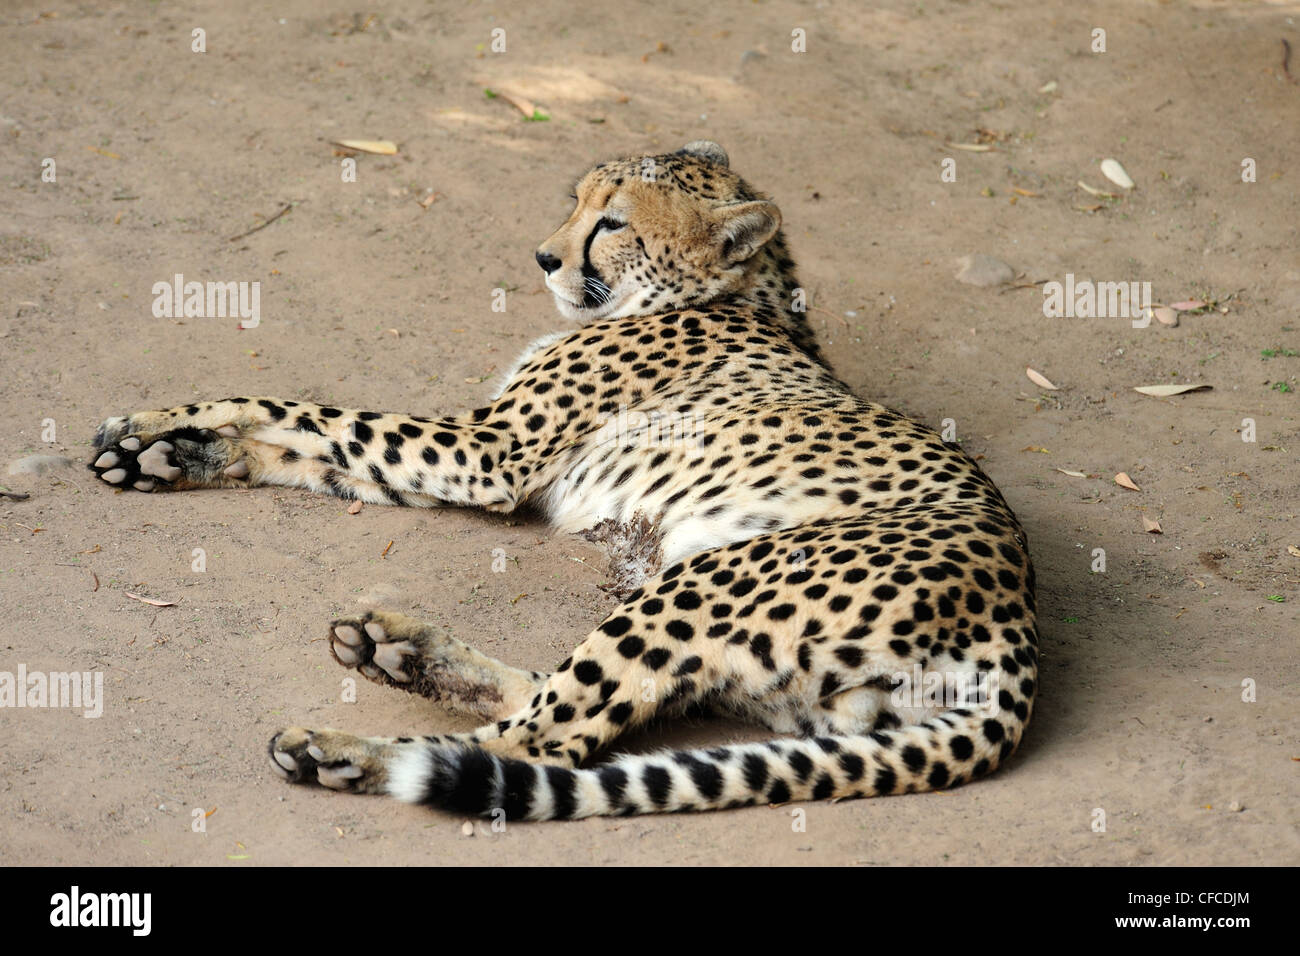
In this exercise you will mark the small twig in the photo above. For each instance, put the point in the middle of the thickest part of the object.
(152, 601)
(15, 495)
(64, 479)
(1286, 61)
(287, 207)
(584, 564)
(1024, 285)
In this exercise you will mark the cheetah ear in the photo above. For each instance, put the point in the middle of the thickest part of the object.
(706, 149)
(744, 228)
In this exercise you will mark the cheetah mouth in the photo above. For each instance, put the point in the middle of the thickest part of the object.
(591, 304)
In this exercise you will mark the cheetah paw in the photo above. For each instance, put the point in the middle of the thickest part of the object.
(184, 457)
(132, 464)
(331, 758)
(372, 644)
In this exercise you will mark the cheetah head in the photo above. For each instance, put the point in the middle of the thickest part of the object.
(656, 233)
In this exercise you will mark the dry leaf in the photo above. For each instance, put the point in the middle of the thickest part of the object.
(1124, 481)
(1038, 448)
(1163, 391)
(1292, 550)
(1164, 315)
(145, 600)
(1096, 208)
(354, 508)
(1025, 192)
(525, 106)
(972, 147)
(1151, 527)
(1072, 474)
(1112, 170)
(1187, 306)
(380, 147)
(1038, 379)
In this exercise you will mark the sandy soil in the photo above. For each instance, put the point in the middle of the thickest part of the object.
(162, 154)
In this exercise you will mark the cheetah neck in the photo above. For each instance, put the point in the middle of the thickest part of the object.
(772, 290)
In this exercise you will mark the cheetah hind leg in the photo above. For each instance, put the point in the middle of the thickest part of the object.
(400, 651)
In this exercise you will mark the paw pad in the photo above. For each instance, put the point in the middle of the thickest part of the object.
(364, 644)
(298, 757)
(130, 463)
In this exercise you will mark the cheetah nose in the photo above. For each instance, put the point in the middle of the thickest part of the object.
(549, 263)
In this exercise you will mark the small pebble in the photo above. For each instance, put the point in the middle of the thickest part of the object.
(1235, 807)
(467, 829)
(979, 269)
(38, 464)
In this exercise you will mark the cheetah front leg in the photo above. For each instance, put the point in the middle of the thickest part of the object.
(400, 651)
(376, 457)
(234, 443)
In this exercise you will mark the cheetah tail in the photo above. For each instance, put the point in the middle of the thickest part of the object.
(945, 751)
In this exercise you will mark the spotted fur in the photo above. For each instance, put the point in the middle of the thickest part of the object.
(816, 550)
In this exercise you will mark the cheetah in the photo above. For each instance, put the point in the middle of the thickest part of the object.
(823, 566)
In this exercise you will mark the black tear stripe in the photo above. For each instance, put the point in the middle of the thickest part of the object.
(589, 271)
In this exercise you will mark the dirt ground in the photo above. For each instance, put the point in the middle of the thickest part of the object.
(371, 299)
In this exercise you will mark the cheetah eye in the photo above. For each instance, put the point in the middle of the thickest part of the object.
(609, 225)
